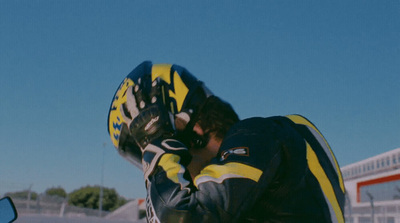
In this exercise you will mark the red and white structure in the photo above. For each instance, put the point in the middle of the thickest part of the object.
(373, 182)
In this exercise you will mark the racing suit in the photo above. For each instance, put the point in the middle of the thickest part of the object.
(276, 169)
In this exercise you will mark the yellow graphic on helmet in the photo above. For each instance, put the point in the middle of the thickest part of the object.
(178, 89)
(161, 70)
(115, 117)
(177, 94)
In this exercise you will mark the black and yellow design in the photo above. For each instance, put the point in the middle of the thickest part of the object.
(219, 173)
(185, 92)
(283, 170)
(178, 90)
(115, 120)
(173, 169)
(321, 161)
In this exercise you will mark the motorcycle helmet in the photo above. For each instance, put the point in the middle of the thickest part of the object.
(186, 92)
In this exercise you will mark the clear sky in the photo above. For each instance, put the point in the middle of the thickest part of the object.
(335, 62)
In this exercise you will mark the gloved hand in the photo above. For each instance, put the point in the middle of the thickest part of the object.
(146, 112)
(151, 123)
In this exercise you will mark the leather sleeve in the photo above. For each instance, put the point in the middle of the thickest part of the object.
(226, 189)
(268, 169)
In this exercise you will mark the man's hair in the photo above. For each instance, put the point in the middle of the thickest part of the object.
(217, 116)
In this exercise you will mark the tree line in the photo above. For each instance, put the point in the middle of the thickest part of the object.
(85, 197)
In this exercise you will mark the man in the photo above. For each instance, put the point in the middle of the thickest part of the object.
(201, 164)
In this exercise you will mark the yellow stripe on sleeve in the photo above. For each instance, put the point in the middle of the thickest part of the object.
(301, 120)
(219, 173)
(326, 186)
(174, 171)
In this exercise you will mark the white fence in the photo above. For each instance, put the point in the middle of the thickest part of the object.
(53, 205)
(382, 212)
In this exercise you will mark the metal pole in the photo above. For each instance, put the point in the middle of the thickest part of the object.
(28, 205)
(101, 184)
(371, 199)
(349, 206)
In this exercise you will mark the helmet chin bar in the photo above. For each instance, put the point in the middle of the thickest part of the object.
(129, 149)
(133, 159)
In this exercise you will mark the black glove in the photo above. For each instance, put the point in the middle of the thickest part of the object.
(151, 123)
(147, 113)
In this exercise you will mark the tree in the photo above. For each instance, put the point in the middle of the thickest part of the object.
(88, 197)
(56, 191)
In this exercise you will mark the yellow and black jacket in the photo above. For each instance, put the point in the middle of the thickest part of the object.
(277, 169)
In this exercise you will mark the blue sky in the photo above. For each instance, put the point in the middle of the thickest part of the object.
(335, 62)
